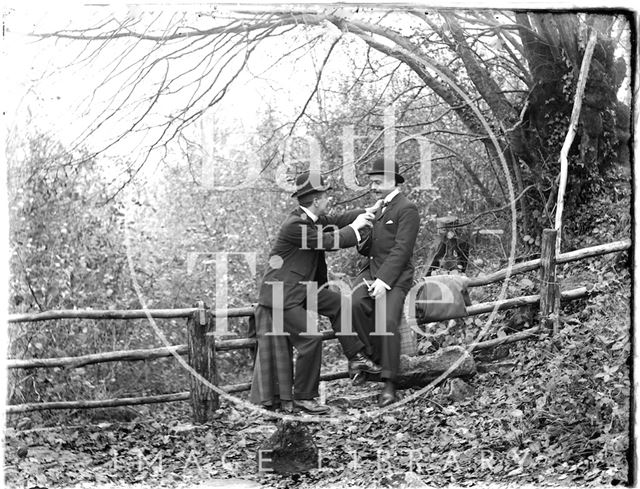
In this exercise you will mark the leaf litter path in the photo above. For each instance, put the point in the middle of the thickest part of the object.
(496, 436)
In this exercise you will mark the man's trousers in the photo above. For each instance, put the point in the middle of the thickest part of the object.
(383, 349)
(270, 371)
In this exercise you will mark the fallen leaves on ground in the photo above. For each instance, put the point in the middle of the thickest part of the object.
(499, 435)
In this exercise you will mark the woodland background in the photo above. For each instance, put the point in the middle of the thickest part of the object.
(124, 177)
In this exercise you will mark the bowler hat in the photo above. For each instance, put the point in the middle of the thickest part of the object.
(308, 182)
(379, 168)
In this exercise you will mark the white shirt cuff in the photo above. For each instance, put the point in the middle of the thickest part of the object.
(383, 284)
(357, 232)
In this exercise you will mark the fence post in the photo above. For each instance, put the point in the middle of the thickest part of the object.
(549, 290)
(201, 346)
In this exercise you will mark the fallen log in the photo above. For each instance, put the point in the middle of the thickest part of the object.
(421, 370)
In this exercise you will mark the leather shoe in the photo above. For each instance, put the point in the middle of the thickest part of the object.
(280, 406)
(388, 395)
(360, 363)
(311, 406)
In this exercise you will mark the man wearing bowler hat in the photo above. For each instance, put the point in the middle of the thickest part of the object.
(386, 274)
(296, 269)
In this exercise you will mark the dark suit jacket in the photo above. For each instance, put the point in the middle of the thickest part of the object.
(298, 232)
(389, 248)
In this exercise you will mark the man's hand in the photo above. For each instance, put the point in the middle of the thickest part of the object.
(363, 220)
(375, 206)
(377, 289)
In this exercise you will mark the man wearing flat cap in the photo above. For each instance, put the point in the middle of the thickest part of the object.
(297, 265)
(386, 274)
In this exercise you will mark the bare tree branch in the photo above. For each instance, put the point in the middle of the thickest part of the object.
(315, 88)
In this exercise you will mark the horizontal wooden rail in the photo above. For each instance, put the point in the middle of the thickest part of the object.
(111, 356)
(570, 256)
(500, 275)
(124, 401)
(124, 314)
(598, 250)
(132, 355)
(240, 343)
(525, 300)
(235, 344)
(132, 401)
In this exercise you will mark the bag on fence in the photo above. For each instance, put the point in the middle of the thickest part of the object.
(442, 297)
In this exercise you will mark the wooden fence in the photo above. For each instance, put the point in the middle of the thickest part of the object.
(201, 348)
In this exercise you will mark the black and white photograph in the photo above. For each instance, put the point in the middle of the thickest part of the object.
(318, 245)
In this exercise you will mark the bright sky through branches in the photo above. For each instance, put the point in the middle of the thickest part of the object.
(50, 90)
